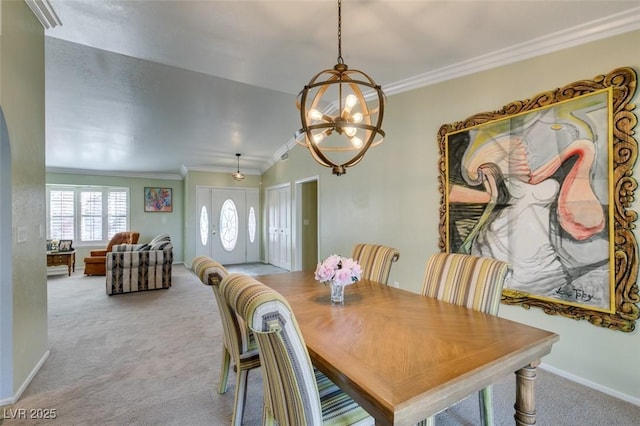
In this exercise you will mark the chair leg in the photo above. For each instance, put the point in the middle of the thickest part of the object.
(224, 370)
(486, 406)
(241, 396)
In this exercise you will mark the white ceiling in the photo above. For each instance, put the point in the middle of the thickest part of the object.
(153, 87)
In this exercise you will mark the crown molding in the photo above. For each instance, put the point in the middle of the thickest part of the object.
(44, 12)
(570, 37)
(216, 169)
(280, 155)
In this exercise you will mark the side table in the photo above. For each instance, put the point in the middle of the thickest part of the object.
(58, 258)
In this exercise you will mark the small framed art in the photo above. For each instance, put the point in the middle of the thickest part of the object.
(158, 199)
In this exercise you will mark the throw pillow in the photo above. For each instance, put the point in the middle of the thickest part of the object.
(161, 237)
(162, 245)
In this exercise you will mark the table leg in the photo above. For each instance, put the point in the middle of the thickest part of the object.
(525, 395)
(69, 264)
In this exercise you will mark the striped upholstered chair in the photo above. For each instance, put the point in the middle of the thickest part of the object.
(471, 281)
(294, 393)
(375, 261)
(238, 342)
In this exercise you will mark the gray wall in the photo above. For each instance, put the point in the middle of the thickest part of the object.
(23, 311)
(392, 196)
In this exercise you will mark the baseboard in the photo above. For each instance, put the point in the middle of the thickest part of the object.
(27, 382)
(611, 392)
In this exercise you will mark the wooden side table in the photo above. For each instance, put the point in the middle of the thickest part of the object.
(58, 258)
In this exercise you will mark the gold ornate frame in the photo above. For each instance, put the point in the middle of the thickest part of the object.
(622, 84)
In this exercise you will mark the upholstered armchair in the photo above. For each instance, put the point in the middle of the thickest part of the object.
(139, 267)
(95, 264)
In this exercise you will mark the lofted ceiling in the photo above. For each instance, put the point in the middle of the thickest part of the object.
(156, 87)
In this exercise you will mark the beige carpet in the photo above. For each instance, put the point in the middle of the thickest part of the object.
(152, 358)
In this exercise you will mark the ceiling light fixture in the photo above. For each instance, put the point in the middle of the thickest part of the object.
(237, 175)
(340, 140)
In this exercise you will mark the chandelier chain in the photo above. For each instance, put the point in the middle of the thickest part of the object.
(340, 60)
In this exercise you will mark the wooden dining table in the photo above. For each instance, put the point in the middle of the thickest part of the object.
(403, 356)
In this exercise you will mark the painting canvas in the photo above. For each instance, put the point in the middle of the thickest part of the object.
(158, 199)
(536, 184)
(532, 190)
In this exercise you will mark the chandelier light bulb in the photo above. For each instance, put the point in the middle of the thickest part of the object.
(357, 117)
(318, 137)
(314, 114)
(350, 131)
(356, 142)
(351, 101)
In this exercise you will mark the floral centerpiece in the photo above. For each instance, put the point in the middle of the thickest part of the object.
(339, 272)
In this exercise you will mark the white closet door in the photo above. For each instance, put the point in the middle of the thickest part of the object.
(279, 226)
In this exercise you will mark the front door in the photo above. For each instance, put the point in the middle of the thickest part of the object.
(227, 224)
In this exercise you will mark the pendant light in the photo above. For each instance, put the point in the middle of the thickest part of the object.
(341, 112)
(237, 175)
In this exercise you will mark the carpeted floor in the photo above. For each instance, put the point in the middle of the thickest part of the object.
(152, 358)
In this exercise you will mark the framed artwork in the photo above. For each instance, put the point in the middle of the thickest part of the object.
(545, 184)
(158, 199)
(65, 245)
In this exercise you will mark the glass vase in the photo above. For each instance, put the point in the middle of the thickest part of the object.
(337, 294)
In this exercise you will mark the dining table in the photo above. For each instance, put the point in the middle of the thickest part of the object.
(404, 356)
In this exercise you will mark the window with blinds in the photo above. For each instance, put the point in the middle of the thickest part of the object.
(86, 214)
(90, 216)
(61, 217)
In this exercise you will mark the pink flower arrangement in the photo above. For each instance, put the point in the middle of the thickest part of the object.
(341, 270)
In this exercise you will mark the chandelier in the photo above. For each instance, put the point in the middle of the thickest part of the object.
(341, 112)
(237, 175)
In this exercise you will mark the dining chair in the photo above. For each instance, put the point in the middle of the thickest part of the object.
(238, 342)
(471, 281)
(375, 260)
(295, 394)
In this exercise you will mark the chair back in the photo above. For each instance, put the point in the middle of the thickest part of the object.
(127, 237)
(465, 280)
(375, 261)
(236, 334)
(290, 390)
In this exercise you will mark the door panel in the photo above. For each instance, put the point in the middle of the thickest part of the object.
(253, 231)
(230, 245)
(204, 232)
(222, 224)
(279, 226)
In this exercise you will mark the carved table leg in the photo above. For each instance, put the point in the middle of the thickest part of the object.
(525, 395)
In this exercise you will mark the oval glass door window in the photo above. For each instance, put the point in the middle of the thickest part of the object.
(204, 226)
(251, 224)
(228, 225)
